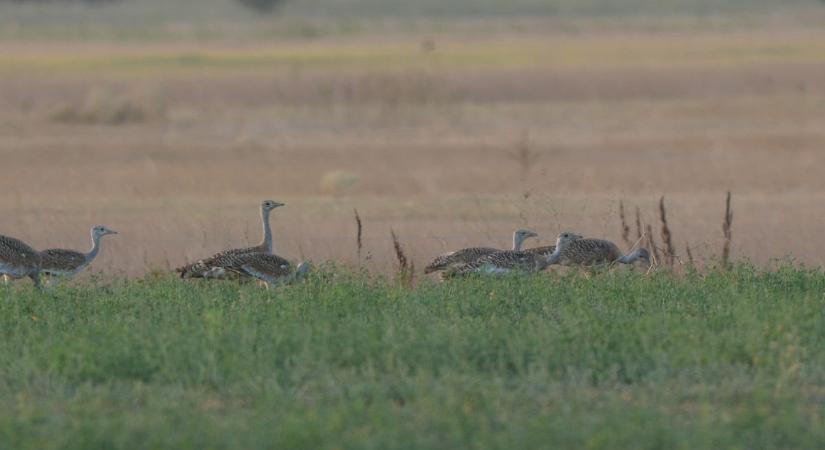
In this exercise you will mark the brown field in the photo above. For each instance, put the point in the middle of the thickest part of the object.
(451, 142)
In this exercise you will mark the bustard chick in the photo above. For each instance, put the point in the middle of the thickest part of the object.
(206, 268)
(18, 260)
(467, 255)
(509, 261)
(68, 263)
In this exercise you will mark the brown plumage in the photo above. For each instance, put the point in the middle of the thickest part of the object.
(508, 261)
(68, 263)
(208, 267)
(594, 252)
(271, 269)
(468, 255)
(543, 250)
(56, 261)
(18, 260)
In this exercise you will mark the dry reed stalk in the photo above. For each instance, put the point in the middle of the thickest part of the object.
(405, 267)
(358, 234)
(667, 237)
(638, 223)
(625, 227)
(651, 243)
(689, 254)
(726, 229)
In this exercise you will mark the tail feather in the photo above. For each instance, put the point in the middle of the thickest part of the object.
(194, 270)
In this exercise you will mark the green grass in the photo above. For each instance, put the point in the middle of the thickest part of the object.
(731, 360)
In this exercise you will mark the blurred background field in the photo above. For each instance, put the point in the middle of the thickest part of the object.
(452, 123)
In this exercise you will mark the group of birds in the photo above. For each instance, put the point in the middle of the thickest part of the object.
(570, 250)
(19, 260)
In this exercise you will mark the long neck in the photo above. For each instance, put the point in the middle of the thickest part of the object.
(629, 258)
(554, 257)
(518, 240)
(95, 248)
(267, 243)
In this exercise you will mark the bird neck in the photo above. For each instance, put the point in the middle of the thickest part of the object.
(267, 242)
(518, 241)
(553, 258)
(630, 258)
(95, 248)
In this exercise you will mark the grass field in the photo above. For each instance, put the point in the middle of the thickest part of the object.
(727, 360)
(451, 124)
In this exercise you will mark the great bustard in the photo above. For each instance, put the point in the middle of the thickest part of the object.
(68, 263)
(509, 261)
(595, 252)
(271, 269)
(468, 255)
(205, 268)
(18, 260)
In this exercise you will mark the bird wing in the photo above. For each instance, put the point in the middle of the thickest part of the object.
(541, 251)
(589, 252)
(16, 252)
(266, 267)
(503, 261)
(59, 260)
(462, 256)
(203, 267)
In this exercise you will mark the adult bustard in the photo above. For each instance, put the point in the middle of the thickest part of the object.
(206, 268)
(468, 255)
(599, 252)
(18, 260)
(271, 269)
(509, 261)
(68, 263)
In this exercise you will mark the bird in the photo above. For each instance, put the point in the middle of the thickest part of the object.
(595, 252)
(467, 255)
(206, 268)
(509, 261)
(18, 260)
(68, 263)
(271, 269)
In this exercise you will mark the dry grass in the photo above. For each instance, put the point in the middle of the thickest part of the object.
(435, 151)
(359, 233)
(727, 227)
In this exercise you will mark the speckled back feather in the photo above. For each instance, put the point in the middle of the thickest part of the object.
(201, 268)
(463, 256)
(14, 251)
(590, 252)
(504, 261)
(56, 261)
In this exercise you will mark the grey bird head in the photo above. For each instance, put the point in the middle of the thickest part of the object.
(643, 255)
(524, 234)
(269, 205)
(565, 238)
(101, 230)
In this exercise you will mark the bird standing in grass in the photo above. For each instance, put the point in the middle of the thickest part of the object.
(510, 261)
(592, 253)
(270, 269)
(215, 266)
(18, 260)
(58, 262)
(468, 255)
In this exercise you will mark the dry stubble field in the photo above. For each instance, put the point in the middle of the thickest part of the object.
(450, 140)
